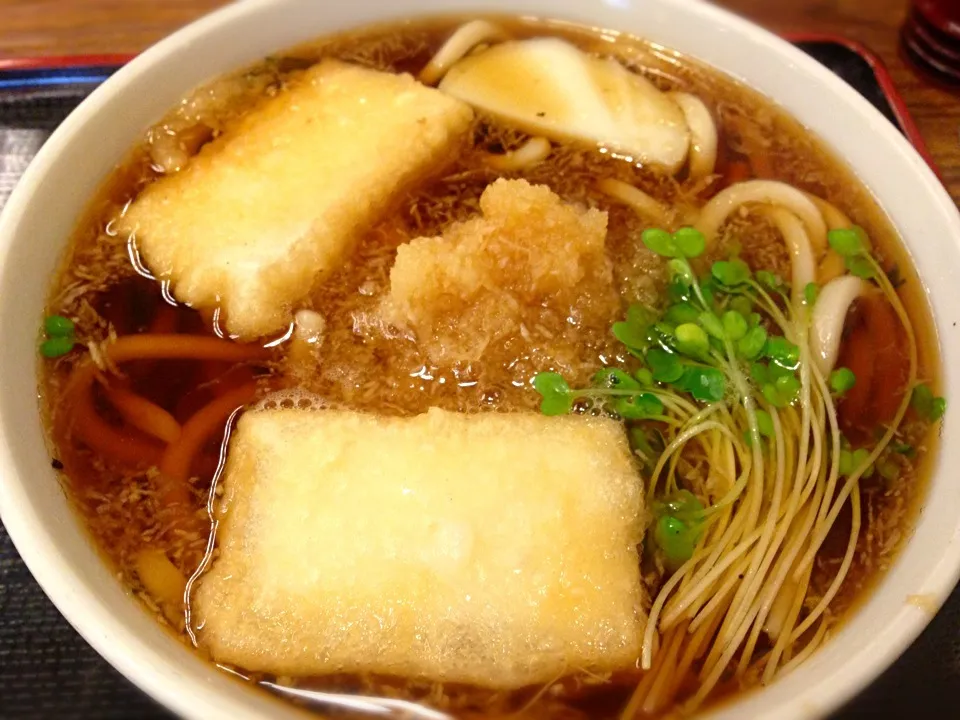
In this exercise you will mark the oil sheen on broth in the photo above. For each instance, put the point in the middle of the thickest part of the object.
(138, 408)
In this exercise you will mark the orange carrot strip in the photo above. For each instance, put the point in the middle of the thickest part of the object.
(164, 320)
(99, 435)
(143, 414)
(102, 437)
(184, 347)
(890, 359)
(858, 354)
(737, 171)
(177, 460)
(761, 165)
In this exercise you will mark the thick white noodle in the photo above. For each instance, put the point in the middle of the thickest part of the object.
(803, 266)
(832, 215)
(533, 152)
(703, 133)
(643, 204)
(829, 314)
(771, 192)
(465, 39)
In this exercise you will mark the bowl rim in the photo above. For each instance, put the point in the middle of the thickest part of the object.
(136, 658)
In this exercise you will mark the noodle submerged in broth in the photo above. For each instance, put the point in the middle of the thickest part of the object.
(746, 313)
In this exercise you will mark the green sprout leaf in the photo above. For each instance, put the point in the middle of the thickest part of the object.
(640, 315)
(678, 527)
(680, 271)
(56, 347)
(770, 281)
(927, 405)
(860, 266)
(846, 462)
(690, 241)
(712, 324)
(810, 293)
(772, 395)
(58, 326)
(859, 458)
(735, 325)
(680, 313)
(679, 291)
(706, 384)
(741, 304)
(666, 367)
(751, 345)
(634, 331)
(676, 541)
(845, 241)
(788, 387)
(556, 393)
(730, 272)
(692, 340)
(639, 407)
(709, 288)
(644, 377)
(781, 350)
(841, 380)
(905, 449)
(612, 378)
(852, 460)
(760, 373)
(888, 470)
(765, 423)
(776, 371)
(682, 504)
(640, 444)
(630, 335)
(661, 242)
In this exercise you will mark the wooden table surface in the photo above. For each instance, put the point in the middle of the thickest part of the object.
(55, 27)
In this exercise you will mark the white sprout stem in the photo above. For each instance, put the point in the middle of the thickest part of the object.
(674, 446)
(700, 616)
(758, 607)
(802, 656)
(841, 573)
(732, 630)
(769, 525)
(783, 648)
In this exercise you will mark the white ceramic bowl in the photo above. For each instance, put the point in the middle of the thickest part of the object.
(42, 212)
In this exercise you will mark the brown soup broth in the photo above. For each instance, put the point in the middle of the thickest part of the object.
(363, 368)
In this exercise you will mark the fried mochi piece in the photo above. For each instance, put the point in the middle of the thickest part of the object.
(528, 261)
(493, 549)
(269, 208)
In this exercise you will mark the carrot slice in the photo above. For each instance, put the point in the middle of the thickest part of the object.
(761, 165)
(97, 434)
(126, 447)
(857, 353)
(165, 320)
(890, 361)
(178, 459)
(143, 414)
(737, 171)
